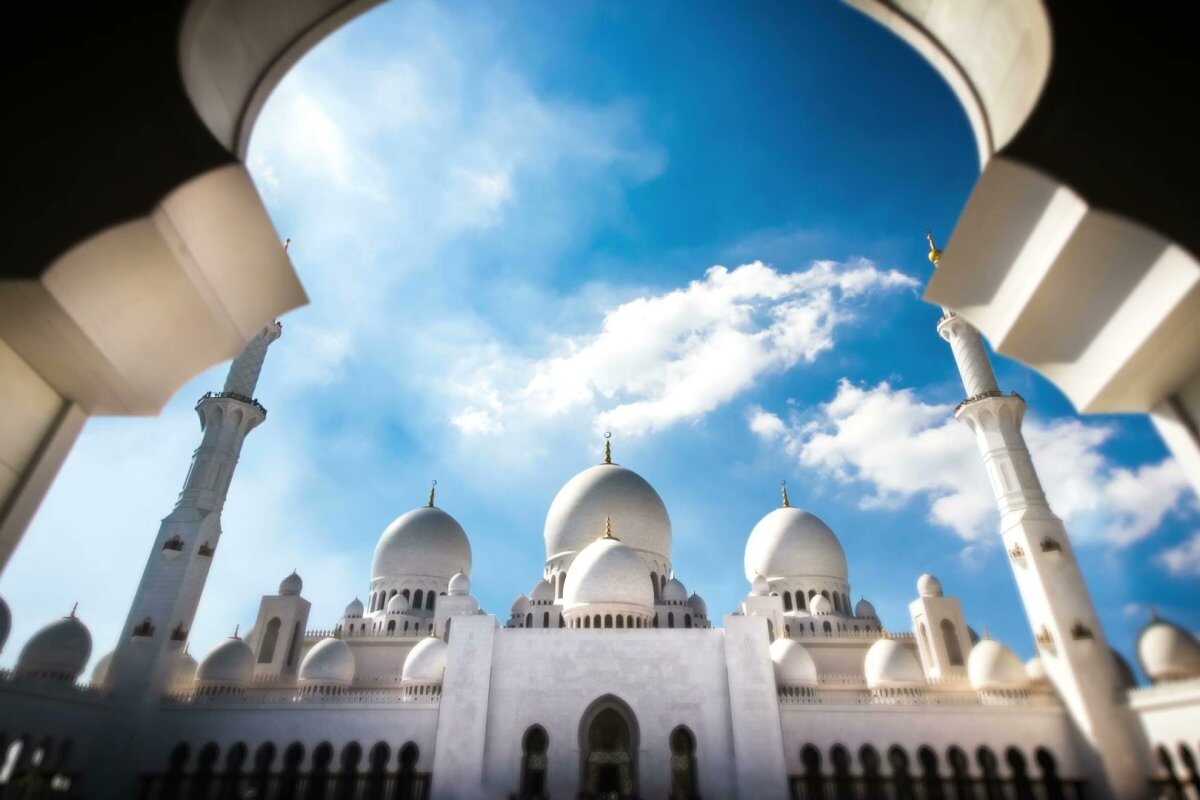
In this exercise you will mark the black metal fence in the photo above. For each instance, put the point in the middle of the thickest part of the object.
(287, 786)
(804, 787)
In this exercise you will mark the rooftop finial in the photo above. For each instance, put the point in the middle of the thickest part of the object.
(432, 493)
(608, 534)
(935, 255)
(74, 608)
(787, 503)
(608, 447)
(286, 244)
(236, 628)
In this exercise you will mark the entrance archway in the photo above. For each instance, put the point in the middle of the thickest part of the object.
(608, 747)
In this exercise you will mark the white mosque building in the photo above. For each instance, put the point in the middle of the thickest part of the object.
(608, 679)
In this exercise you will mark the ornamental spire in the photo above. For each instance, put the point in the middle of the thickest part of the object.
(432, 493)
(935, 255)
(787, 503)
(608, 447)
(608, 534)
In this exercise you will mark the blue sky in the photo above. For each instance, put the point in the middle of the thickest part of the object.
(510, 219)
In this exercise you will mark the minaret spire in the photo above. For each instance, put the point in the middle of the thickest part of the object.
(784, 499)
(165, 603)
(1067, 630)
(432, 493)
(608, 447)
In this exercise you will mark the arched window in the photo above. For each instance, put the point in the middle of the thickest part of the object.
(825, 594)
(953, 651)
(687, 620)
(266, 650)
(347, 780)
(289, 779)
(608, 623)
(770, 631)
(235, 762)
(812, 593)
(961, 769)
(429, 598)
(901, 777)
(533, 763)
(837, 602)
(1051, 783)
(608, 743)
(407, 788)
(206, 764)
(529, 620)
(814, 782)
(596, 621)
(545, 619)
(670, 619)
(1020, 773)
(993, 788)
(264, 759)
(787, 601)
(377, 761)
(391, 628)
(931, 781)
(172, 781)
(404, 593)
(827, 627)
(418, 598)
(873, 785)
(800, 606)
(587, 622)
(684, 777)
(620, 621)
(654, 584)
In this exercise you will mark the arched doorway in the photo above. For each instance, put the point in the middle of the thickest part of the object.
(608, 745)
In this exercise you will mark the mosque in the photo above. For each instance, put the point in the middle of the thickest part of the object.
(608, 679)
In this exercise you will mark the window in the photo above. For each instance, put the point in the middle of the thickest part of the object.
(545, 619)
(654, 584)
(787, 601)
(953, 650)
(529, 620)
(533, 763)
(670, 619)
(429, 600)
(418, 598)
(683, 765)
(294, 645)
(391, 628)
(687, 620)
(800, 606)
(608, 620)
(266, 650)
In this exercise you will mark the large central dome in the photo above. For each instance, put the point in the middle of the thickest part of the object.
(791, 543)
(423, 542)
(606, 491)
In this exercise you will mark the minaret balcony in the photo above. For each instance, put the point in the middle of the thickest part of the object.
(232, 396)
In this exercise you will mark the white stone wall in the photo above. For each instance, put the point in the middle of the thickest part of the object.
(1170, 715)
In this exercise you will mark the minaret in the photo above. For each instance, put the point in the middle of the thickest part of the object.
(1071, 642)
(166, 599)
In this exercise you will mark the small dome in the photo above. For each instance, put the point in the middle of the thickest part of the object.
(1168, 652)
(329, 662)
(791, 543)
(991, 665)
(60, 650)
(426, 663)
(460, 585)
(674, 592)
(354, 609)
(889, 664)
(929, 586)
(291, 585)
(1035, 670)
(608, 571)
(793, 664)
(426, 542)
(231, 663)
(698, 606)
(864, 610)
(820, 604)
(5, 623)
(605, 491)
(398, 604)
(100, 671)
(759, 586)
(520, 605)
(543, 592)
(183, 674)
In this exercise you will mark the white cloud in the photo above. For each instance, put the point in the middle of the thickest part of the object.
(1183, 560)
(898, 447)
(662, 359)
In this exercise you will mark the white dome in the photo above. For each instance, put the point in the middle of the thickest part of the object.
(698, 605)
(425, 542)
(231, 663)
(100, 671)
(520, 605)
(59, 650)
(355, 608)
(543, 592)
(426, 663)
(183, 673)
(929, 586)
(608, 571)
(581, 506)
(1168, 652)
(674, 592)
(329, 662)
(1035, 670)
(991, 665)
(820, 604)
(790, 543)
(460, 585)
(397, 605)
(5, 622)
(794, 666)
(864, 610)
(291, 585)
(889, 664)
(759, 586)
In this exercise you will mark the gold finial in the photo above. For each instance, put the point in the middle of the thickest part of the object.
(286, 244)
(236, 628)
(935, 255)
(787, 503)
(608, 447)
(74, 608)
(608, 534)
(432, 493)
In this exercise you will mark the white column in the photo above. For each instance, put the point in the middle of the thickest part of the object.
(759, 764)
(1070, 639)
